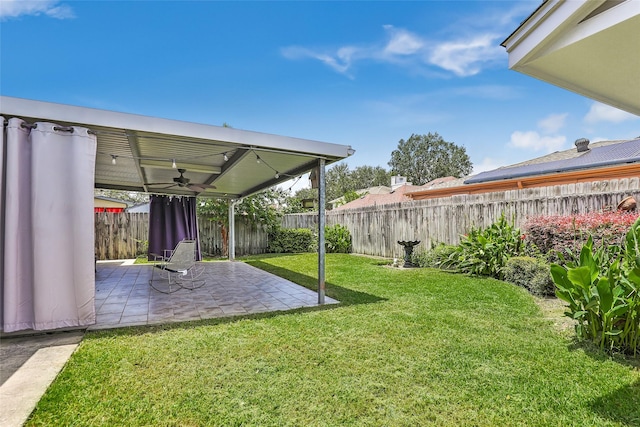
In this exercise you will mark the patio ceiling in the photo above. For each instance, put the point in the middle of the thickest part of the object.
(588, 47)
(236, 162)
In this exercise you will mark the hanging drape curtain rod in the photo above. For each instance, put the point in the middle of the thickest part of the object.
(252, 149)
(56, 128)
(226, 147)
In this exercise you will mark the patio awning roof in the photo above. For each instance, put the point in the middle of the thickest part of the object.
(588, 47)
(137, 153)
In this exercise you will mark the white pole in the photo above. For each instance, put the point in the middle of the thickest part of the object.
(232, 231)
(321, 223)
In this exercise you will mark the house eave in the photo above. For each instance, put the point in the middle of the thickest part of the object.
(601, 174)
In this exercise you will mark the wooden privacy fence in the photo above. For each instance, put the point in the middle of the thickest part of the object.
(376, 230)
(250, 238)
(125, 235)
(120, 235)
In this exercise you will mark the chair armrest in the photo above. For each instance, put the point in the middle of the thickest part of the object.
(157, 257)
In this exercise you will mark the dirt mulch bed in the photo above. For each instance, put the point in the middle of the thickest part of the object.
(553, 309)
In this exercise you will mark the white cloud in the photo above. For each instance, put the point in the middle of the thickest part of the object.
(463, 57)
(465, 47)
(605, 113)
(553, 123)
(340, 63)
(532, 140)
(402, 42)
(16, 8)
(487, 164)
(466, 57)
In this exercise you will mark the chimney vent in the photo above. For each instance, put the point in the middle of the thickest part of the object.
(582, 144)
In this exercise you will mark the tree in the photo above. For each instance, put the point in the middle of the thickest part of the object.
(423, 158)
(364, 177)
(293, 204)
(338, 181)
(127, 196)
(259, 209)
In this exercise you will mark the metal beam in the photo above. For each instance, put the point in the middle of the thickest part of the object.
(321, 223)
(232, 231)
(228, 165)
(132, 139)
(284, 176)
(119, 187)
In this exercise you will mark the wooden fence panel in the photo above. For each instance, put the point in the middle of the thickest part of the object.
(126, 235)
(250, 239)
(120, 235)
(375, 230)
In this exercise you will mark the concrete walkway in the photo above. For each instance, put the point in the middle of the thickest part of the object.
(29, 365)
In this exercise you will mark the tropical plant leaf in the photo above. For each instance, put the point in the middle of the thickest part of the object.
(580, 276)
(605, 294)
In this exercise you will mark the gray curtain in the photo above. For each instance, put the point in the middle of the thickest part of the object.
(47, 236)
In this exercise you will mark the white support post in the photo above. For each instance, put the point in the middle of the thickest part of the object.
(321, 223)
(232, 231)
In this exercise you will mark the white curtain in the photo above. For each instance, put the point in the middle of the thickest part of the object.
(47, 241)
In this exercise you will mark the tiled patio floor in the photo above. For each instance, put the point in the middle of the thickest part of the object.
(124, 297)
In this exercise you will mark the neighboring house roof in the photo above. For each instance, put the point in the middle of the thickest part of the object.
(565, 154)
(446, 181)
(108, 202)
(396, 196)
(380, 189)
(139, 208)
(604, 160)
(605, 154)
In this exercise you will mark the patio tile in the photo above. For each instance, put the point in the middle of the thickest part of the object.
(117, 298)
(129, 319)
(111, 308)
(124, 297)
(108, 318)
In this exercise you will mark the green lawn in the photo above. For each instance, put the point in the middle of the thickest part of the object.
(405, 348)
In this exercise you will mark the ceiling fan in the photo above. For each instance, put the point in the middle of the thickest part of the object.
(184, 182)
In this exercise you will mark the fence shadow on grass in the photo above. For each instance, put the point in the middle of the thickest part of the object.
(621, 406)
(346, 296)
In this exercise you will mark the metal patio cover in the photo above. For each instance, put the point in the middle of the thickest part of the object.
(588, 47)
(237, 162)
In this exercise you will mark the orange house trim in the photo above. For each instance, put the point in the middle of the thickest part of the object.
(561, 178)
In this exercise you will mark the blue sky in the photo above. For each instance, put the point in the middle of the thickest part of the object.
(360, 73)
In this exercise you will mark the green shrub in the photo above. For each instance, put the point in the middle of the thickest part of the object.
(337, 239)
(530, 273)
(603, 292)
(290, 240)
(434, 257)
(485, 251)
